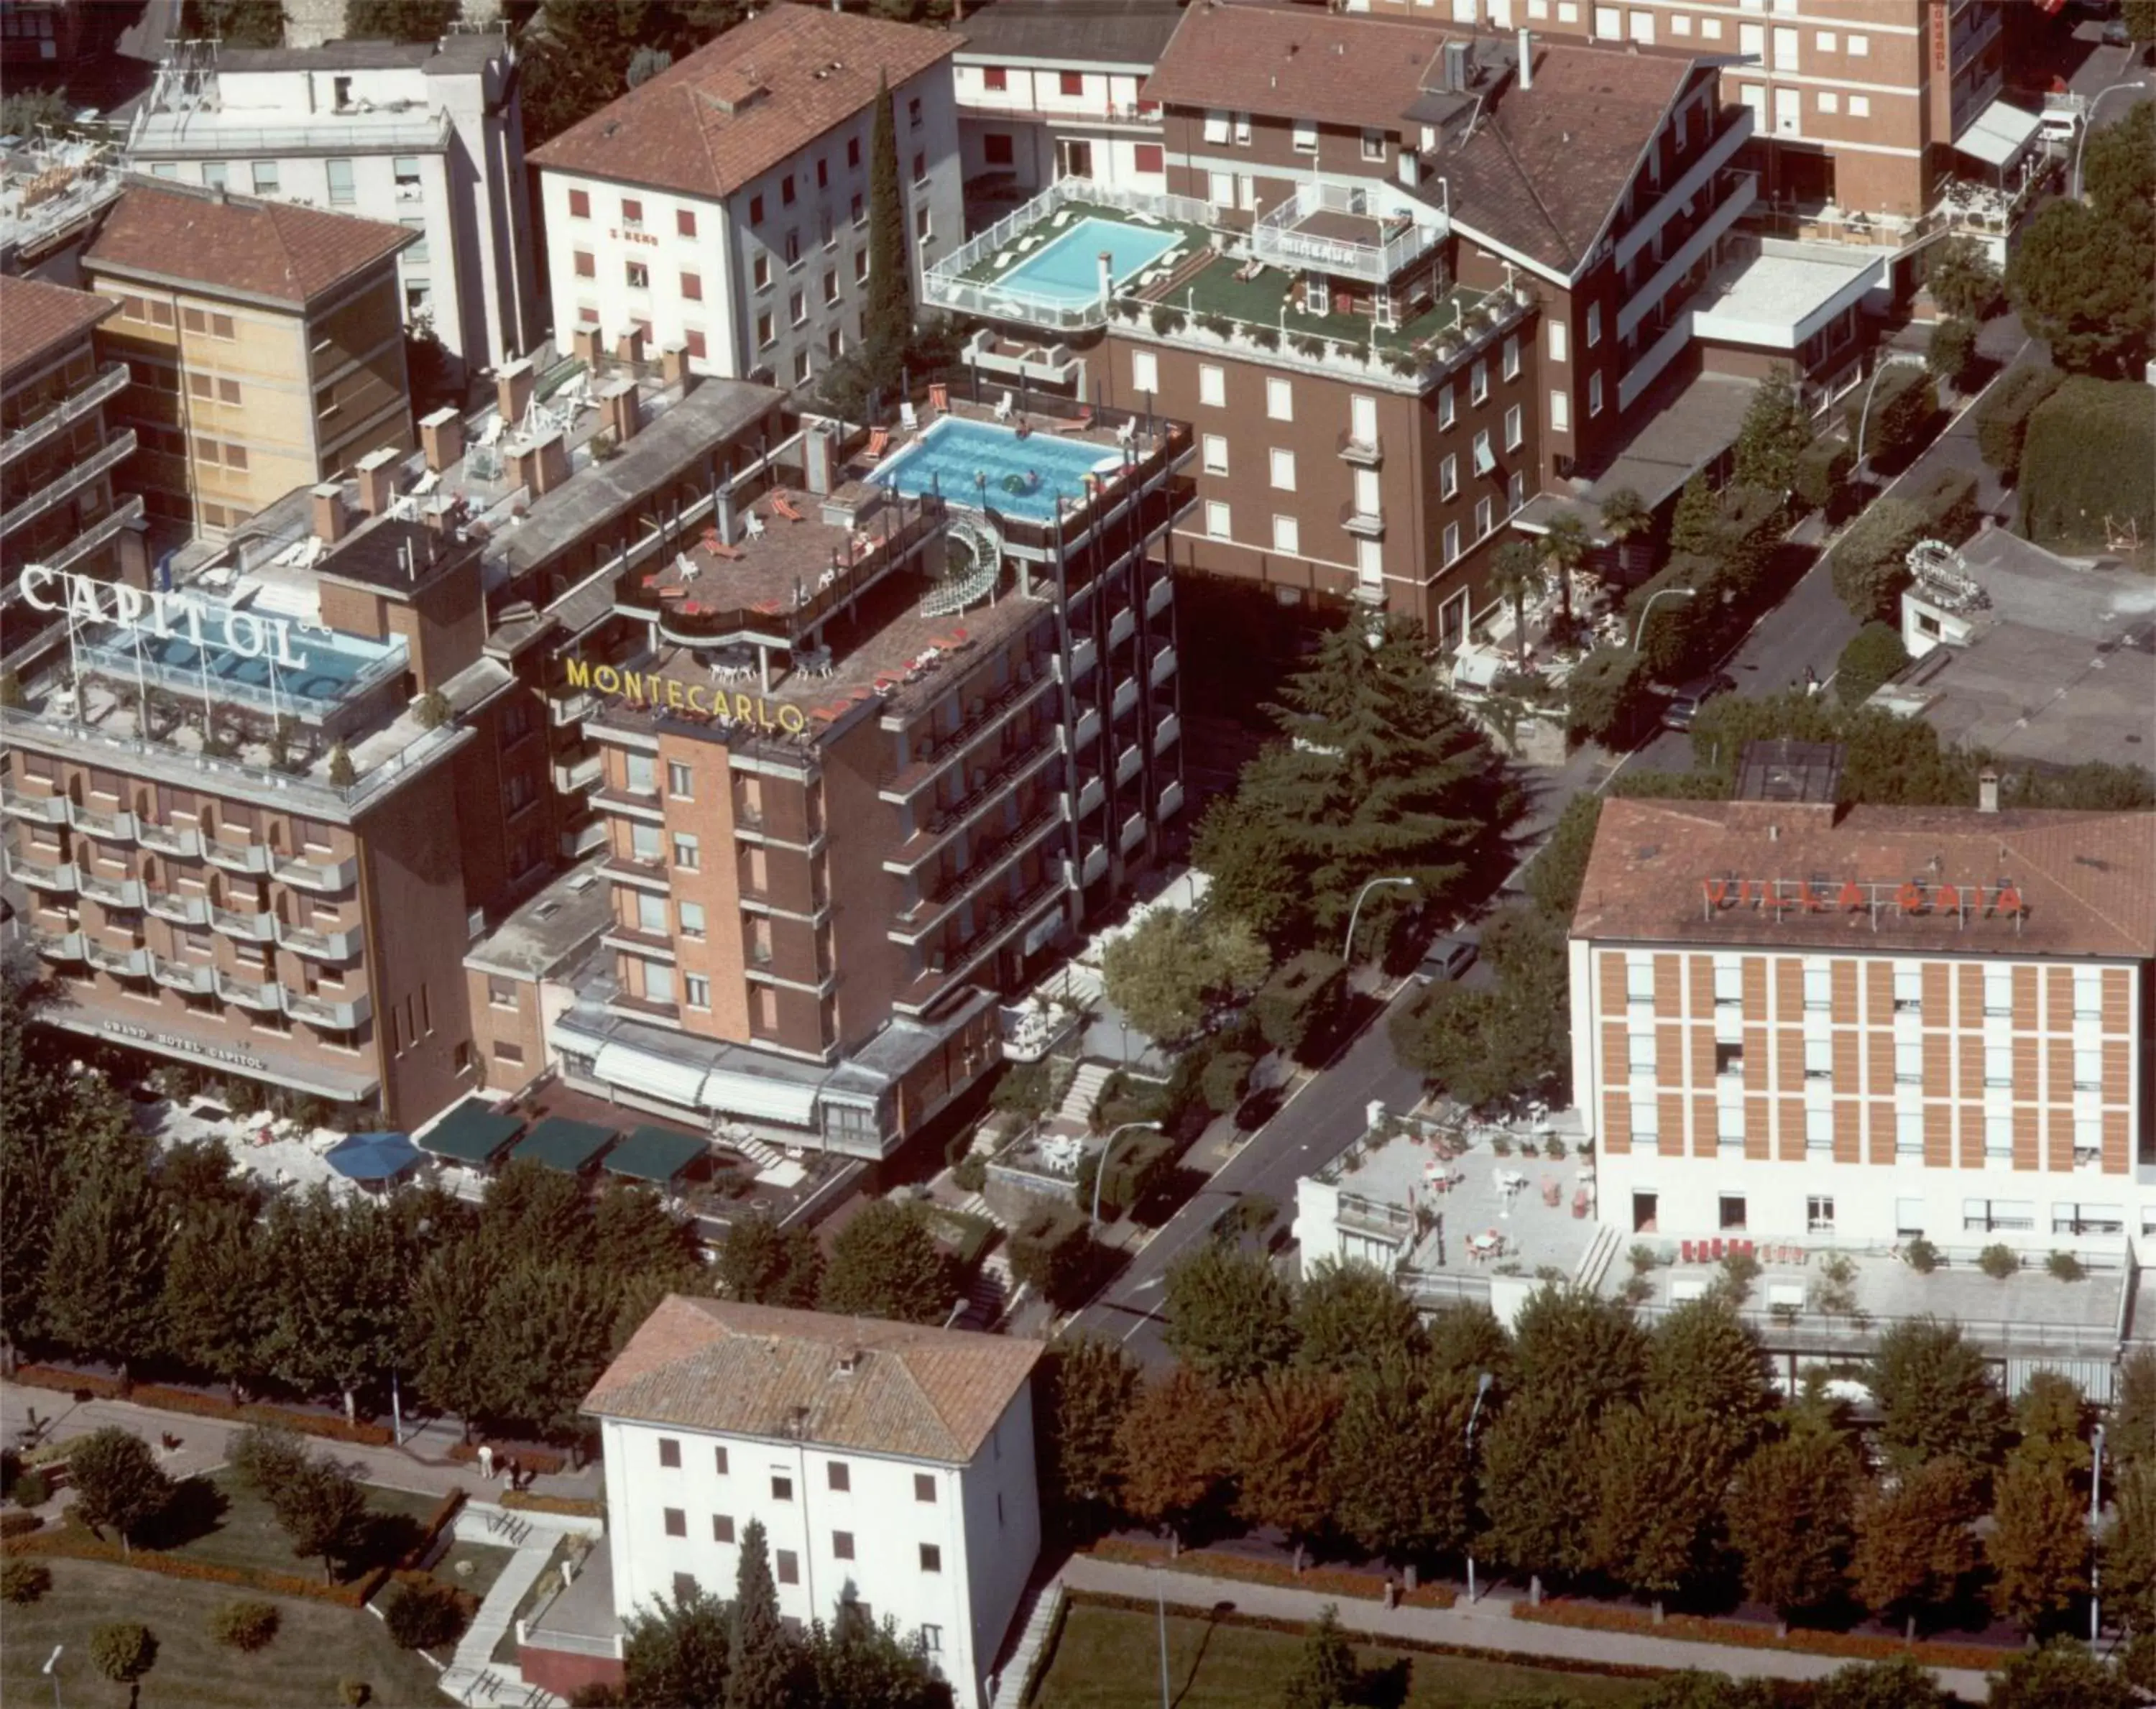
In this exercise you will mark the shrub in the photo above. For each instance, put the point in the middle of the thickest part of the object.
(1949, 500)
(18, 1525)
(244, 1625)
(1952, 353)
(342, 773)
(1869, 563)
(2002, 420)
(1141, 1163)
(598, 1694)
(22, 1582)
(1165, 319)
(1822, 472)
(354, 1692)
(1264, 338)
(123, 1652)
(2088, 468)
(1874, 653)
(1051, 1251)
(423, 1616)
(2064, 1266)
(1606, 697)
(971, 1173)
(1923, 1256)
(1218, 325)
(431, 710)
(31, 1489)
(1998, 1261)
(1227, 1079)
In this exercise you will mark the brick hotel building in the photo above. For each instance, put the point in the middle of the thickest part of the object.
(1795, 1020)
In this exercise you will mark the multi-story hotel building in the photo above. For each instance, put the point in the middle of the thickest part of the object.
(429, 135)
(265, 341)
(58, 505)
(723, 204)
(1794, 1020)
(892, 1467)
(882, 744)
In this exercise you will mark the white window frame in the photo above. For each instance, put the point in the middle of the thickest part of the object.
(1214, 454)
(1478, 381)
(1213, 385)
(1515, 429)
(1560, 410)
(1144, 371)
(1216, 125)
(1447, 476)
(1280, 470)
(1279, 398)
(1513, 357)
(1288, 536)
(1594, 393)
(1450, 546)
(1446, 413)
(1594, 325)
(1218, 521)
(1304, 139)
(1860, 107)
(1560, 338)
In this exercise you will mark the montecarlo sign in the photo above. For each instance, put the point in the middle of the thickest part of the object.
(649, 689)
(167, 616)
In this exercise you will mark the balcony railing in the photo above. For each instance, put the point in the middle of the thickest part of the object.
(56, 877)
(106, 827)
(1159, 595)
(237, 857)
(112, 892)
(329, 877)
(1165, 732)
(39, 809)
(984, 792)
(57, 946)
(198, 135)
(1163, 664)
(1399, 233)
(1365, 453)
(124, 960)
(1128, 761)
(265, 994)
(197, 979)
(1171, 799)
(248, 928)
(916, 921)
(318, 1011)
(183, 842)
(573, 776)
(1369, 525)
(122, 516)
(115, 451)
(110, 382)
(180, 909)
(321, 946)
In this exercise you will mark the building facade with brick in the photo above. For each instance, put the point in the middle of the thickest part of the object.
(1795, 1021)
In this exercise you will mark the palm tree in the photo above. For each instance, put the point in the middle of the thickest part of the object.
(1566, 547)
(1515, 573)
(1625, 516)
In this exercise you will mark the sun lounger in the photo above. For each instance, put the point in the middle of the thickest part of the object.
(783, 504)
(909, 417)
(1028, 241)
(879, 442)
(939, 398)
(1062, 219)
(756, 529)
(1003, 407)
(719, 548)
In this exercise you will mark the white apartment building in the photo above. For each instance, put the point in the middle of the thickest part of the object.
(429, 135)
(1795, 1021)
(891, 1465)
(1048, 91)
(723, 205)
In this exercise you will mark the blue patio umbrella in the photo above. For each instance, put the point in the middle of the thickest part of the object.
(373, 1157)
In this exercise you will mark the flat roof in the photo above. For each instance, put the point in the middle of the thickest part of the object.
(1092, 33)
(553, 928)
(561, 1144)
(1779, 297)
(471, 1133)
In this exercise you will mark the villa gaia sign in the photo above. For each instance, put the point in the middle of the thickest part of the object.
(164, 615)
(649, 689)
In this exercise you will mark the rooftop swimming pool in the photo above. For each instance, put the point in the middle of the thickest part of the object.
(1066, 269)
(336, 667)
(977, 462)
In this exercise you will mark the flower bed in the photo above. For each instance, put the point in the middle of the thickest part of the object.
(163, 1399)
(539, 1462)
(571, 1507)
(1215, 1563)
(1699, 1629)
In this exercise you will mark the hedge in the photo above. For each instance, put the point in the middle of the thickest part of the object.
(1700, 1629)
(2002, 419)
(71, 1541)
(1874, 653)
(19, 1524)
(1901, 405)
(1606, 697)
(1948, 498)
(2088, 466)
(162, 1399)
(1215, 1563)
(570, 1506)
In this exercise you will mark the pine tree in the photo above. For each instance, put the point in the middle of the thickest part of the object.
(887, 317)
(763, 1664)
(1696, 529)
(1325, 1676)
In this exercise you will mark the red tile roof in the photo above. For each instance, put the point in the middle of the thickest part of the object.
(223, 244)
(2087, 881)
(1541, 171)
(740, 104)
(920, 1393)
(36, 318)
(1292, 62)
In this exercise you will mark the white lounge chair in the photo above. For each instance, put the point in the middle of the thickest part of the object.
(755, 526)
(1062, 219)
(1003, 407)
(908, 419)
(1126, 430)
(1028, 241)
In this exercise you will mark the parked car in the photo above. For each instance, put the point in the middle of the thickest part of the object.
(1449, 957)
(1685, 704)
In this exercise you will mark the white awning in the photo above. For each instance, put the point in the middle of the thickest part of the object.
(1999, 134)
(759, 1098)
(654, 1076)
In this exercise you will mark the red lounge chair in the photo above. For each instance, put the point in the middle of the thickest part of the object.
(653, 579)
(768, 608)
(690, 608)
(782, 503)
(939, 398)
(671, 590)
(719, 548)
(879, 442)
(1717, 1253)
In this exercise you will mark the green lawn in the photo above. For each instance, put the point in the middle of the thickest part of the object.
(1107, 1658)
(246, 1533)
(486, 1562)
(316, 1645)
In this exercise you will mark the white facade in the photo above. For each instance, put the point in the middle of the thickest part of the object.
(1865, 1097)
(431, 138)
(944, 1549)
(1038, 122)
(767, 281)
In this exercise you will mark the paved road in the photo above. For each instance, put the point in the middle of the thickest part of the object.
(1315, 1126)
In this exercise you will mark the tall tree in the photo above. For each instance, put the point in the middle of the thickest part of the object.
(763, 1663)
(1465, 1341)
(2118, 166)
(1349, 1315)
(675, 1652)
(104, 1287)
(1696, 528)
(1961, 278)
(1173, 1444)
(1774, 436)
(2129, 1549)
(117, 1482)
(1704, 1362)
(344, 1273)
(1936, 1395)
(323, 1509)
(1661, 1475)
(1515, 577)
(1088, 1386)
(1164, 972)
(2133, 1433)
(1384, 777)
(886, 1263)
(633, 1234)
(2039, 1543)
(1282, 1453)
(1401, 1476)
(1913, 1542)
(853, 1664)
(1230, 1316)
(399, 20)
(1565, 549)
(549, 1334)
(767, 1265)
(234, 24)
(2079, 280)
(1485, 1046)
(887, 316)
(577, 53)
(219, 1300)
(449, 1328)
(2052, 1419)
(1788, 1519)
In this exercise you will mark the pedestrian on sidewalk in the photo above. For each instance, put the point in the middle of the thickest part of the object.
(1811, 682)
(510, 1473)
(486, 1460)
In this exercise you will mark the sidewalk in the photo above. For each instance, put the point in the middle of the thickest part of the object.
(1488, 1625)
(422, 1464)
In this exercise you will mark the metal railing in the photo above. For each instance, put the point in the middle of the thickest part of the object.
(1417, 228)
(111, 380)
(115, 451)
(191, 136)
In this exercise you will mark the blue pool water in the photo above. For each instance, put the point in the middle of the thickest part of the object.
(1067, 267)
(951, 456)
(337, 665)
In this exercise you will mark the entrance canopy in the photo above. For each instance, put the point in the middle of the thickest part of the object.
(472, 1133)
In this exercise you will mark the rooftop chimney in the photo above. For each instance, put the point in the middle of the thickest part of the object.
(1987, 791)
(377, 479)
(674, 369)
(630, 346)
(329, 522)
(618, 403)
(513, 385)
(1526, 58)
(549, 466)
(442, 436)
(589, 344)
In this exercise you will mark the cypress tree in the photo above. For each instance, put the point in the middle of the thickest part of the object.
(760, 1659)
(887, 319)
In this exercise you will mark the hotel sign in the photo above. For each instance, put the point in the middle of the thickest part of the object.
(1938, 897)
(163, 615)
(193, 1047)
(664, 693)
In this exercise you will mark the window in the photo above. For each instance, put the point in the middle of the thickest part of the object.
(685, 851)
(2088, 1070)
(1729, 985)
(1908, 1062)
(1559, 336)
(1818, 1132)
(1448, 477)
(1444, 409)
(997, 149)
(921, 168)
(1216, 518)
(1818, 990)
(932, 1639)
(1826, 41)
(767, 329)
(1216, 127)
(1513, 431)
(842, 1545)
(932, 1558)
(692, 338)
(1287, 535)
(692, 287)
(1306, 135)
(1144, 371)
(1639, 981)
(581, 261)
(790, 1567)
(644, 843)
(1512, 358)
(839, 1476)
(1729, 1060)
(341, 193)
(1818, 1214)
(786, 191)
(695, 991)
(1450, 548)
(580, 204)
(1485, 459)
(692, 919)
(1212, 386)
(669, 1451)
(723, 1527)
(415, 254)
(651, 917)
(1829, 101)
(2088, 994)
(719, 1461)
(1595, 394)
(684, 1586)
(796, 307)
(502, 993)
(921, 223)
(913, 113)
(924, 1486)
(1070, 83)
(822, 174)
(1485, 517)
(1859, 47)
(1819, 1059)
(1859, 106)
(1998, 1136)
(1560, 410)
(853, 150)
(1731, 1210)
(1279, 399)
(1478, 381)
(1998, 991)
(994, 77)
(755, 210)
(1908, 991)
(632, 213)
(793, 249)
(1640, 1053)
(759, 272)
(782, 1488)
(1214, 454)
(658, 981)
(265, 177)
(639, 275)
(1594, 325)
(1149, 157)
(684, 222)
(1374, 144)
(1242, 130)
(1283, 470)
(800, 366)
(1908, 1133)
(677, 1522)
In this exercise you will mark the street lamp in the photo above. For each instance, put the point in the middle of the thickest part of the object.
(1481, 1388)
(1160, 1611)
(1348, 949)
(1891, 359)
(2089, 125)
(1100, 1172)
(1639, 627)
(2096, 1558)
(51, 1672)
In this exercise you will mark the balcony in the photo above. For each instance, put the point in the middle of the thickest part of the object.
(986, 790)
(1695, 178)
(644, 875)
(1088, 728)
(585, 839)
(115, 450)
(37, 809)
(1090, 794)
(1084, 655)
(1122, 626)
(1345, 230)
(1132, 832)
(1094, 865)
(248, 928)
(121, 516)
(1159, 595)
(183, 845)
(327, 877)
(633, 803)
(237, 857)
(1164, 665)
(321, 946)
(111, 892)
(1165, 732)
(1171, 799)
(125, 961)
(266, 995)
(105, 827)
(318, 1011)
(1127, 696)
(574, 776)
(1128, 761)
(1364, 525)
(198, 135)
(180, 911)
(918, 920)
(57, 946)
(110, 382)
(196, 979)
(633, 942)
(572, 709)
(1739, 190)
(57, 879)
(1364, 453)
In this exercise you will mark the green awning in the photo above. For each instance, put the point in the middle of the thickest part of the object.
(655, 1153)
(472, 1133)
(561, 1144)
